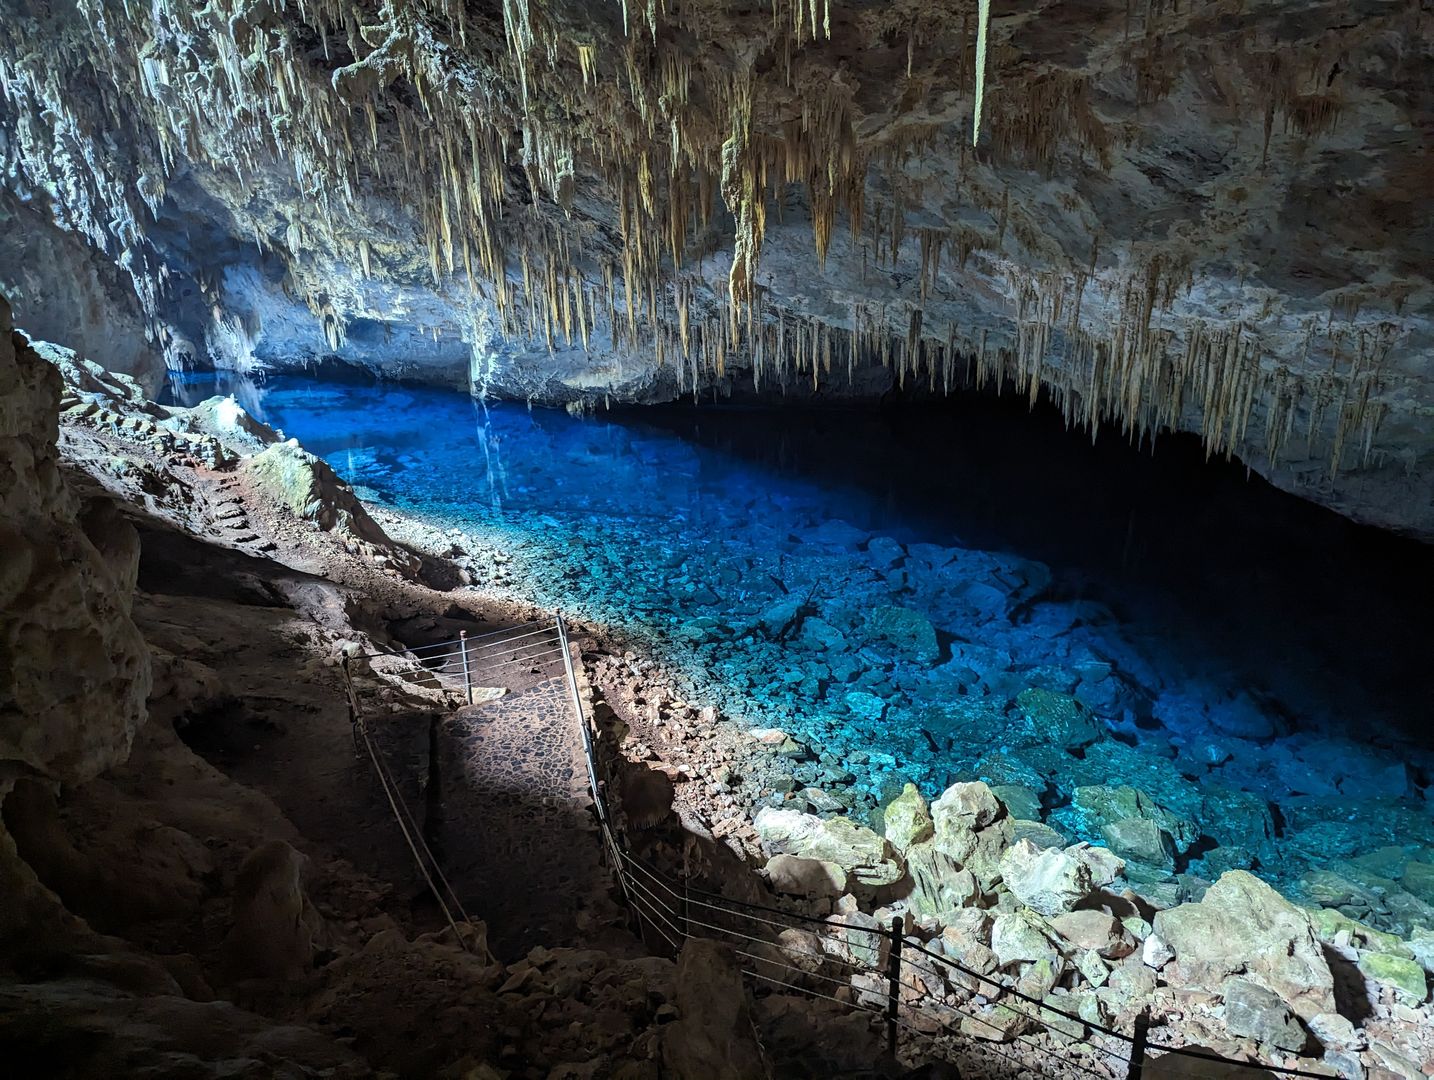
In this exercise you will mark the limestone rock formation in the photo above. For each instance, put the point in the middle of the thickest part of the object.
(1195, 217)
(1244, 926)
(74, 671)
(275, 925)
(714, 1038)
(839, 840)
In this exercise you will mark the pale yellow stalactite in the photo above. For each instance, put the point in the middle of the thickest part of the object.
(982, 30)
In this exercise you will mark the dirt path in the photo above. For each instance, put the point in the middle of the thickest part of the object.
(516, 833)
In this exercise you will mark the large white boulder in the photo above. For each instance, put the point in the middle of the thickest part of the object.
(1244, 927)
(1046, 880)
(867, 857)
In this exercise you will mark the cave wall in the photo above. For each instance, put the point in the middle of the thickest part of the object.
(74, 670)
(1207, 217)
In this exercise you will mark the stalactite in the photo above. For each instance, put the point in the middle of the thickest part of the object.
(982, 33)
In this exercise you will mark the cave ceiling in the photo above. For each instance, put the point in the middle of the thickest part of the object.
(1211, 217)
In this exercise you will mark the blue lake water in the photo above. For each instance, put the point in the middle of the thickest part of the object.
(942, 593)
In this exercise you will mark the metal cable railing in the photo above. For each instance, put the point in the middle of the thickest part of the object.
(890, 983)
(880, 971)
(468, 662)
(428, 865)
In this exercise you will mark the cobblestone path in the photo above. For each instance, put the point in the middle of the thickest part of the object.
(515, 829)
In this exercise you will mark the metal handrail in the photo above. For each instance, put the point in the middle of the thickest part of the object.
(646, 903)
(754, 921)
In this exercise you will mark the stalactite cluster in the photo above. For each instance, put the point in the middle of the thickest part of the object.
(609, 178)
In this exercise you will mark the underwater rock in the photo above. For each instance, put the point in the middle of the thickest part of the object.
(821, 635)
(1140, 840)
(779, 616)
(1113, 763)
(1195, 708)
(837, 534)
(909, 630)
(1244, 926)
(1046, 880)
(1240, 818)
(883, 553)
(1093, 808)
(866, 706)
(855, 848)
(1418, 879)
(1053, 719)
(1021, 802)
(1038, 833)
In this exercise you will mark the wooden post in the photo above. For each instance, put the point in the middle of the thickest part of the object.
(893, 983)
(467, 675)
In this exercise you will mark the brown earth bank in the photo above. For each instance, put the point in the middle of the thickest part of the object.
(203, 877)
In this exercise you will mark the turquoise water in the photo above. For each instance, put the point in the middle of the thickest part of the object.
(941, 594)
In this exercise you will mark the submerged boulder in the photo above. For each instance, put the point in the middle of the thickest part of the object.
(1243, 926)
(1096, 809)
(910, 630)
(1051, 718)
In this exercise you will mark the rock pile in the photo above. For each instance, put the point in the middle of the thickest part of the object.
(1240, 969)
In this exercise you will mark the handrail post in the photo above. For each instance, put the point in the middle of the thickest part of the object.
(893, 983)
(581, 718)
(590, 757)
(467, 674)
(1137, 1046)
(351, 701)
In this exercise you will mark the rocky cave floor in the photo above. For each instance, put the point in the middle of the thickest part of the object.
(234, 899)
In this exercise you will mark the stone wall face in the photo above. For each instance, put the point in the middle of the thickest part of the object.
(74, 670)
